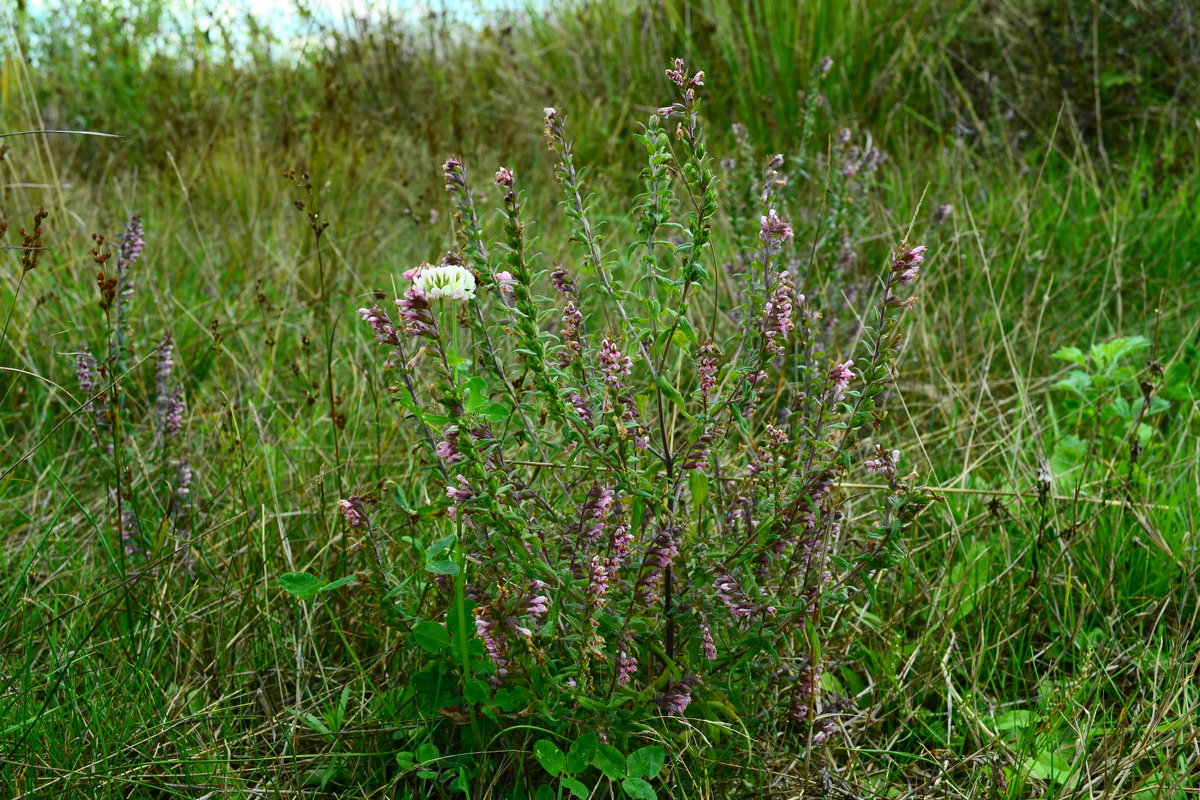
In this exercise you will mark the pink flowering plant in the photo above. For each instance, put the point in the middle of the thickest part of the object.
(634, 514)
(152, 506)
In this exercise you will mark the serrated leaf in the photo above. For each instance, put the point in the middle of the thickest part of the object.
(301, 584)
(431, 636)
(1123, 409)
(549, 756)
(645, 762)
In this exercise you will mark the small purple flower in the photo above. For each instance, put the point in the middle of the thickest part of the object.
(84, 363)
(381, 324)
(164, 362)
(658, 558)
(706, 358)
(537, 605)
(517, 627)
(172, 420)
(454, 175)
(485, 629)
(505, 282)
(597, 581)
(581, 407)
(560, 279)
(504, 177)
(447, 448)
(414, 310)
(942, 213)
(906, 267)
(774, 228)
(840, 375)
(595, 509)
(698, 454)
(613, 364)
(462, 492)
(730, 593)
(824, 65)
(706, 642)
(572, 320)
(627, 665)
(777, 315)
(675, 700)
(679, 76)
(132, 241)
(354, 511)
(884, 462)
(622, 540)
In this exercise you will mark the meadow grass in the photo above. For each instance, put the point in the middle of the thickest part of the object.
(1046, 631)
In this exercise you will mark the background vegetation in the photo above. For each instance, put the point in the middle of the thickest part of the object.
(1050, 633)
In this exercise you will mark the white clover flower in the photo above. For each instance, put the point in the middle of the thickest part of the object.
(452, 281)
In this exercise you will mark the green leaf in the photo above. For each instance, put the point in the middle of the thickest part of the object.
(636, 787)
(1072, 354)
(610, 761)
(1123, 409)
(698, 483)
(544, 793)
(439, 547)
(510, 700)
(495, 412)
(1106, 354)
(462, 783)
(477, 394)
(646, 761)
(1015, 721)
(476, 691)
(431, 637)
(1049, 766)
(427, 752)
(301, 584)
(576, 788)
(582, 753)
(441, 567)
(673, 395)
(549, 756)
(814, 641)
(405, 760)
(339, 583)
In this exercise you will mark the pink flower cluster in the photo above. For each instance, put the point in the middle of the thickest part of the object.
(613, 364)
(777, 315)
(354, 511)
(840, 377)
